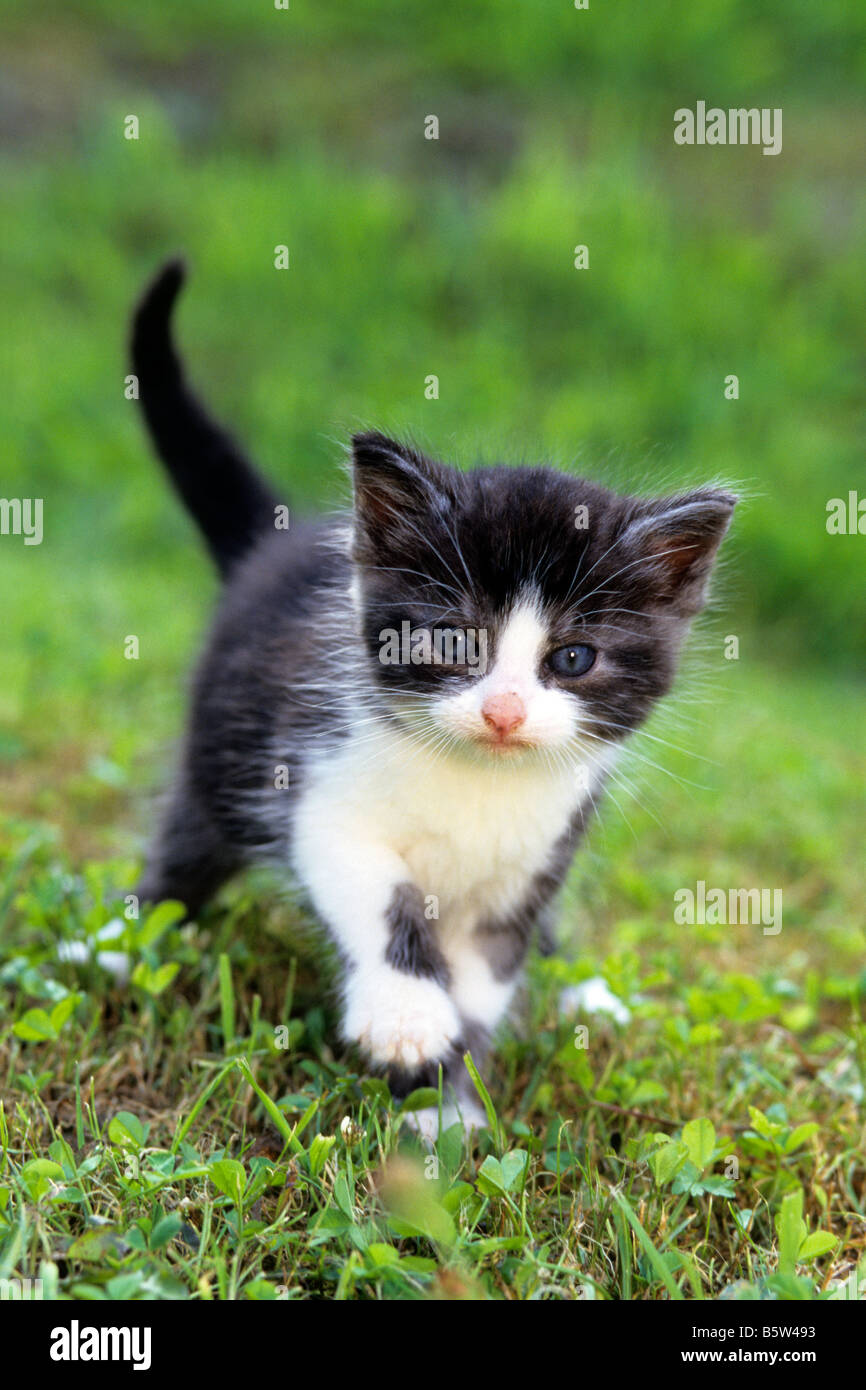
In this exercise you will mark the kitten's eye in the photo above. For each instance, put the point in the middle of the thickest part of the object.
(575, 660)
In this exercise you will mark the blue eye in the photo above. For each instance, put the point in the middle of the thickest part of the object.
(572, 661)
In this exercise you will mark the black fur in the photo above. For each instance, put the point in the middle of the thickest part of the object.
(431, 545)
(412, 945)
(230, 502)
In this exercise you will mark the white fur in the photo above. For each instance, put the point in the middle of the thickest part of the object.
(387, 808)
(425, 1122)
(399, 1018)
(552, 718)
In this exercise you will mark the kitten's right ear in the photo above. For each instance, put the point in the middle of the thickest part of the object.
(393, 485)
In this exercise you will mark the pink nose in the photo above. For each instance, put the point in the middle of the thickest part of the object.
(504, 713)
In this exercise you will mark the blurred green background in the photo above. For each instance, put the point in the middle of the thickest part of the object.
(409, 257)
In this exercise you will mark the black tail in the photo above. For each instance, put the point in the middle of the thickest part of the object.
(220, 488)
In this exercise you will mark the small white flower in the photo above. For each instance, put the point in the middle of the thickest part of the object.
(350, 1131)
(593, 997)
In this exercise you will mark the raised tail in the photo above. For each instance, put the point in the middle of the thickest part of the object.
(230, 502)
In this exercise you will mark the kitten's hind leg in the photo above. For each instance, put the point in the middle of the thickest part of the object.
(189, 860)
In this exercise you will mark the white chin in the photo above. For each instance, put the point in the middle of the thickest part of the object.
(505, 748)
(495, 749)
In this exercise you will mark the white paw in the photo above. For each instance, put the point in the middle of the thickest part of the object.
(400, 1020)
(426, 1122)
(593, 997)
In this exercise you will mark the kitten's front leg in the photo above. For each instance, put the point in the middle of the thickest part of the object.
(396, 1005)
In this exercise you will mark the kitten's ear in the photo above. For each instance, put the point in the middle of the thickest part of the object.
(393, 484)
(677, 538)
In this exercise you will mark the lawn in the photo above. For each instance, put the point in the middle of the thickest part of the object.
(196, 1135)
(196, 1132)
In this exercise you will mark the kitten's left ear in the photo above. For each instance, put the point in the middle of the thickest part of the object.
(678, 538)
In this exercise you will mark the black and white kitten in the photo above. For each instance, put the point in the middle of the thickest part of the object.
(428, 792)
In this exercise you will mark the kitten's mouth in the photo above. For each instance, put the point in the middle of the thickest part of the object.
(485, 743)
(504, 747)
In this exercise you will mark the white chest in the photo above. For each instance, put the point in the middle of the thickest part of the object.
(472, 836)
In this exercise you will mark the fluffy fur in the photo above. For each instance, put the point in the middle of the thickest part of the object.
(432, 808)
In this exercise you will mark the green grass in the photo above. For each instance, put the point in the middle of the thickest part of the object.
(155, 1141)
(235, 1177)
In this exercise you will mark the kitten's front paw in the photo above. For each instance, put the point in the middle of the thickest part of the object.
(426, 1122)
(400, 1020)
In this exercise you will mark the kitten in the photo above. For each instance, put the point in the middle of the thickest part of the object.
(437, 785)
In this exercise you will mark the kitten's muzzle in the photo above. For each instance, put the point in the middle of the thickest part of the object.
(503, 715)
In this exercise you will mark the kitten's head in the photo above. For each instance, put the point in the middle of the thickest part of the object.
(518, 612)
